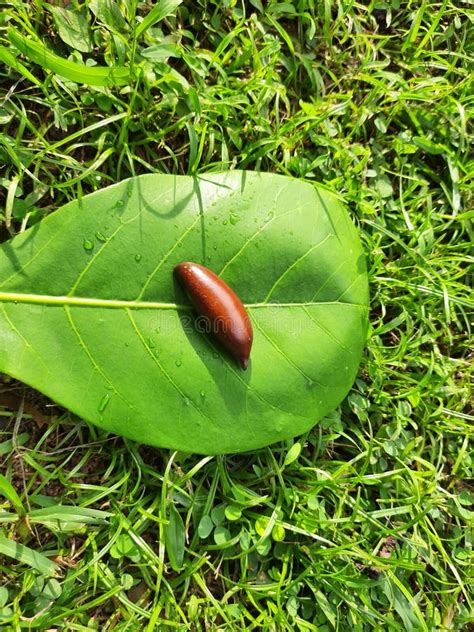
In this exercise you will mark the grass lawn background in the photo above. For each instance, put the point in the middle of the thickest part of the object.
(363, 523)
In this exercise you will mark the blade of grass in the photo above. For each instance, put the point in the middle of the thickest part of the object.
(27, 556)
(80, 73)
(162, 9)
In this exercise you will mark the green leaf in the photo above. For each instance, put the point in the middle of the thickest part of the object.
(218, 514)
(261, 525)
(293, 453)
(80, 73)
(278, 533)
(27, 556)
(3, 596)
(73, 28)
(125, 546)
(161, 10)
(205, 527)
(52, 589)
(161, 52)
(7, 446)
(175, 539)
(10, 493)
(108, 12)
(91, 316)
(10, 60)
(222, 535)
(429, 146)
(6, 516)
(233, 512)
(65, 518)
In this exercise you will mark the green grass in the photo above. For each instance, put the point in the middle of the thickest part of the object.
(362, 524)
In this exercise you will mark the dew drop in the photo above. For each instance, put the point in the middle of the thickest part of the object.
(234, 218)
(104, 402)
(138, 257)
(119, 203)
(203, 394)
(310, 384)
(225, 222)
(157, 353)
(178, 363)
(187, 402)
(270, 216)
(88, 245)
(214, 246)
(151, 343)
(100, 236)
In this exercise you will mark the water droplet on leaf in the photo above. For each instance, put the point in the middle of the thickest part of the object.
(103, 403)
(88, 245)
(100, 236)
(178, 363)
(138, 257)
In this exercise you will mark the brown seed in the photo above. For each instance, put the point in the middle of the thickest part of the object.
(220, 310)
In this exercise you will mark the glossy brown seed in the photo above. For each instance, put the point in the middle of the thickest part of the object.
(220, 310)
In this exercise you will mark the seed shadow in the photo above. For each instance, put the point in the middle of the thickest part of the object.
(206, 349)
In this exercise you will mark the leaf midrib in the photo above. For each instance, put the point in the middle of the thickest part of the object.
(82, 301)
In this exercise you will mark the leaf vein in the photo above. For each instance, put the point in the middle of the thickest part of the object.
(25, 340)
(252, 237)
(91, 358)
(282, 353)
(321, 287)
(95, 257)
(165, 257)
(83, 301)
(327, 332)
(294, 264)
(162, 369)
